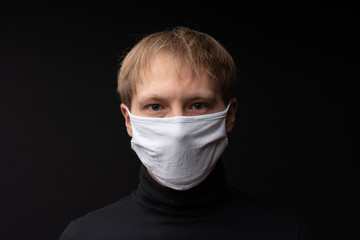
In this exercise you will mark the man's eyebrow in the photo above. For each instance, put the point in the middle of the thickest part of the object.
(207, 98)
(147, 99)
(202, 95)
(151, 97)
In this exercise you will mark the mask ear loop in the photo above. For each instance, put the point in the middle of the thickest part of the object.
(228, 107)
(127, 109)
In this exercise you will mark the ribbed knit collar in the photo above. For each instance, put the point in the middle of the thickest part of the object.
(213, 193)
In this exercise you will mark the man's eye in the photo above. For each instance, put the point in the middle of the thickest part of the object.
(155, 107)
(198, 106)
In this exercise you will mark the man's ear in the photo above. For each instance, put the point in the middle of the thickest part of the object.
(230, 118)
(127, 119)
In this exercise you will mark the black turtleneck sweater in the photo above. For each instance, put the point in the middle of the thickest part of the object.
(211, 210)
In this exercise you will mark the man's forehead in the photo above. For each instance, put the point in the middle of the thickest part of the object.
(160, 61)
(165, 63)
(165, 74)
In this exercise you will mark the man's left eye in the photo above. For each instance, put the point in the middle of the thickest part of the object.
(198, 106)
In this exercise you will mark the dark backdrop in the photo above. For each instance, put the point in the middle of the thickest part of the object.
(64, 150)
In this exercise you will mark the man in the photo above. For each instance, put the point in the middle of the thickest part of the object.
(176, 92)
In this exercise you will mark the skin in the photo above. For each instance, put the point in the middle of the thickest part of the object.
(168, 89)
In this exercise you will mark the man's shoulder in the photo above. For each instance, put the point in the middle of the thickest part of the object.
(251, 206)
(105, 219)
(274, 221)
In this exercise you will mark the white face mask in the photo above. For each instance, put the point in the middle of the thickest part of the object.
(181, 151)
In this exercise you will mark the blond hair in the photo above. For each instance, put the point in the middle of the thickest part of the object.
(199, 50)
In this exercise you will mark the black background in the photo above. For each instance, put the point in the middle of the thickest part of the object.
(64, 150)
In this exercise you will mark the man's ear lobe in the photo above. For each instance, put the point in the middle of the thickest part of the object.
(230, 118)
(127, 119)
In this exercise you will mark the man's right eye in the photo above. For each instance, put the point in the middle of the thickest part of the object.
(155, 107)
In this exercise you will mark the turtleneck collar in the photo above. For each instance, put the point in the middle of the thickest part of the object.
(213, 193)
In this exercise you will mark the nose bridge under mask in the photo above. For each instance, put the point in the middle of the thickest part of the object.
(178, 130)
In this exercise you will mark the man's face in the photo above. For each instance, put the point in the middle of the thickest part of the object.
(169, 89)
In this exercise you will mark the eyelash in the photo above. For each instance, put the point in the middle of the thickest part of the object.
(151, 106)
